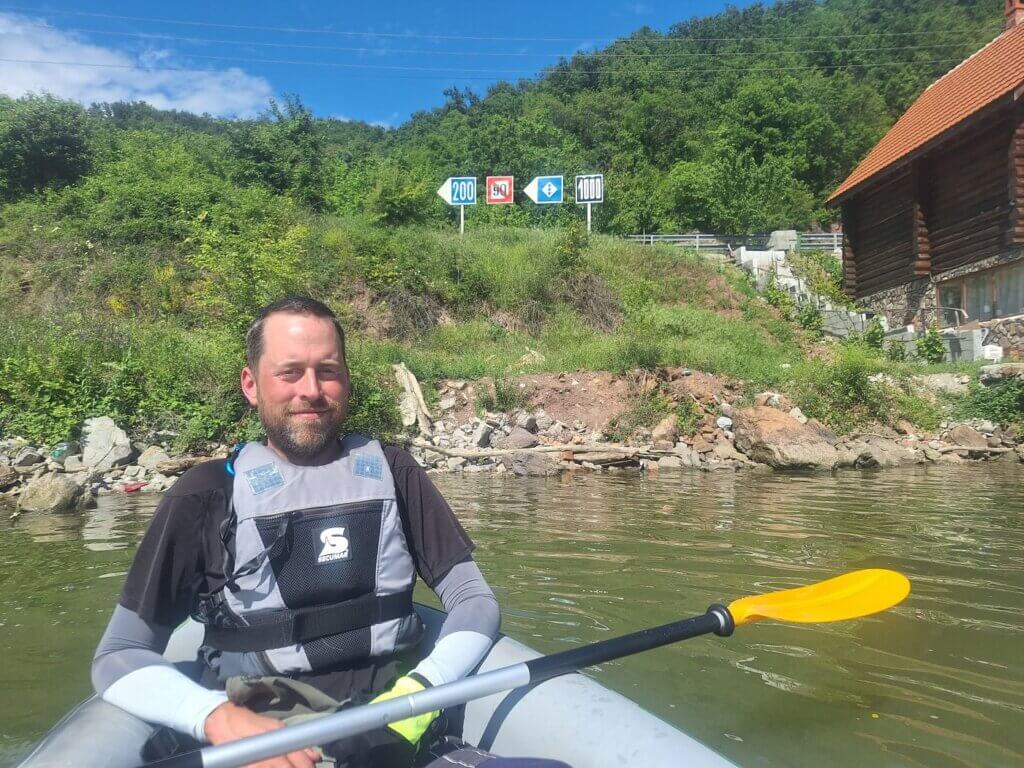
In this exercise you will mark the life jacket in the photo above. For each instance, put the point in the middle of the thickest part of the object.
(317, 568)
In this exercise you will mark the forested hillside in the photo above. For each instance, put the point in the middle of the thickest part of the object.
(135, 244)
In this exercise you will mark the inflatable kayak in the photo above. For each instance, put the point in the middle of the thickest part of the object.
(571, 718)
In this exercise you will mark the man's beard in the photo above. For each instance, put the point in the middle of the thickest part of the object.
(302, 440)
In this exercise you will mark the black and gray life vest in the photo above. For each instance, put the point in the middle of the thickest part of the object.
(317, 566)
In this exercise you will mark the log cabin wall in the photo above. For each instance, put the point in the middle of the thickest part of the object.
(968, 207)
(881, 241)
(1015, 232)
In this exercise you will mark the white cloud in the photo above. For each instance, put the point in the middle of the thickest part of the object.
(26, 42)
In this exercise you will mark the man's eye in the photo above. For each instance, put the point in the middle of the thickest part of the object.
(329, 373)
(291, 374)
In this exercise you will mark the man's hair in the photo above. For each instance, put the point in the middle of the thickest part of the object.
(292, 305)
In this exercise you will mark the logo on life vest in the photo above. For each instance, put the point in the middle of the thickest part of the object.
(335, 545)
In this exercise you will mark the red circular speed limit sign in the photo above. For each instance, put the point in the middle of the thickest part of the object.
(499, 189)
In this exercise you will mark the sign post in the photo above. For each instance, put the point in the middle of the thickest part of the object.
(460, 191)
(589, 190)
(545, 190)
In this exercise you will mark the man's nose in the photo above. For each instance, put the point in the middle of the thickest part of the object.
(309, 385)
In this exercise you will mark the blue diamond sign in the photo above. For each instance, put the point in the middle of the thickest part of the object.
(545, 189)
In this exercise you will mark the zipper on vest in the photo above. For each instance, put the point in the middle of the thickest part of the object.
(316, 513)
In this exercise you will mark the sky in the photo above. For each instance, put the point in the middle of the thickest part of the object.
(374, 61)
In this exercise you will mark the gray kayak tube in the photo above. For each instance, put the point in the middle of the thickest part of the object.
(571, 718)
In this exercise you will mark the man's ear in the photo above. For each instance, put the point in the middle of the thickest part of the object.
(248, 381)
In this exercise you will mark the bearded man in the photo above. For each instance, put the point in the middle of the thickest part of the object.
(299, 555)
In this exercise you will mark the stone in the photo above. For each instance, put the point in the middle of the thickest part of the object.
(28, 457)
(967, 437)
(455, 462)
(152, 457)
(544, 422)
(931, 454)
(987, 427)
(878, 453)
(726, 409)
(527, 421)
(180, 465)
(518, 438)
(700, 445)
(482, 435)
(997, 374)
(667, 430)
(904, 427)
(726, 451)
(724, 422)
(797, 414)
(772, 437)
(945, 383)
(50, 493)
(8, 477)
(104, 444)
(670, 462)
(783, 240)
(447, 403)
(529, 464)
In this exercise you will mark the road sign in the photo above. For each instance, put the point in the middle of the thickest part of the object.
(590, 188)
(499, 190)
(545, 189)
(459, 190)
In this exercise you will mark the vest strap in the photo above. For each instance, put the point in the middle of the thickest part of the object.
(304, 624)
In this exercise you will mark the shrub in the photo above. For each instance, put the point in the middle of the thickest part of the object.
(809, 318)
(1001, 403)
(896, 351)
(874, 334)
(929, 346)
(508, 396)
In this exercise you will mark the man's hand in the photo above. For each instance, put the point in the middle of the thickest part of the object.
(413, 728)
(230, 722)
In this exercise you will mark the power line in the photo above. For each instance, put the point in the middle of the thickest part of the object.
(832, 67)
(388, 51)
(430, 36)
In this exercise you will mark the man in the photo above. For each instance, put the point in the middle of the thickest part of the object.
(299, 555)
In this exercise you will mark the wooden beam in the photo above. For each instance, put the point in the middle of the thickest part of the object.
(922, 243)
(849, 251)
(1016, 187)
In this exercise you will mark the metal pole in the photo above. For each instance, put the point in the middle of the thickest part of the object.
(588, 218)
(462, 220)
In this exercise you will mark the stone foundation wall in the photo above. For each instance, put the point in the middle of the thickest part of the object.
(1007, 332)
(899, 305)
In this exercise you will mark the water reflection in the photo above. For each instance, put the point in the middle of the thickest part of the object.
(937, 681)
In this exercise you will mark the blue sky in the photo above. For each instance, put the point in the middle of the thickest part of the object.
(373, 61)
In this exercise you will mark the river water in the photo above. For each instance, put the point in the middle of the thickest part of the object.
(938, 681)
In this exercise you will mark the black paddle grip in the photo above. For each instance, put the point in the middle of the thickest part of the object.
(717, 620)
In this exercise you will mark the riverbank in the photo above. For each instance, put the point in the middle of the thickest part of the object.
(672, 419)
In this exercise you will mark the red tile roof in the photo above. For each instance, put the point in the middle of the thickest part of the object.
(993, 72)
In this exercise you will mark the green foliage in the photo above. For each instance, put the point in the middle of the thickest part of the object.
(929, 346)
(1001, 403)
(507, 397)
(571, 248)
(874, 334)
(645, 410)
(777, 297)
(896, 351)
(848, 391)
(809, 318)
(823, 273)
(284, 152)
(43, 142)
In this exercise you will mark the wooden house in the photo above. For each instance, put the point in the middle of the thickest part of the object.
(933, 217)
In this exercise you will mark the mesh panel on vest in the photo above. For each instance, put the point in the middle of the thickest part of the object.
(325, 652)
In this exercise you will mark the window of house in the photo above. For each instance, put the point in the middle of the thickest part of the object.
(984, 296)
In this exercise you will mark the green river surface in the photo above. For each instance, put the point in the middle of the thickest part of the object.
(938, 681)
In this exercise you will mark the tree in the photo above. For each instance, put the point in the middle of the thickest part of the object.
(43, 142)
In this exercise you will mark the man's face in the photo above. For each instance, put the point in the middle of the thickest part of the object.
(300, 385)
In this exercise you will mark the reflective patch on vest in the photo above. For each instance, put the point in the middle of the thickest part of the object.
(367, 465)
(263, 478)
(336, 545)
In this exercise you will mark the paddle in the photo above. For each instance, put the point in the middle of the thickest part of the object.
(849, 596)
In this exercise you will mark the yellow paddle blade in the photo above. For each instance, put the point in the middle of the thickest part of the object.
(849, 596)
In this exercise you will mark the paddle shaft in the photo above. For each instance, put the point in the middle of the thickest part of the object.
(324, 730)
